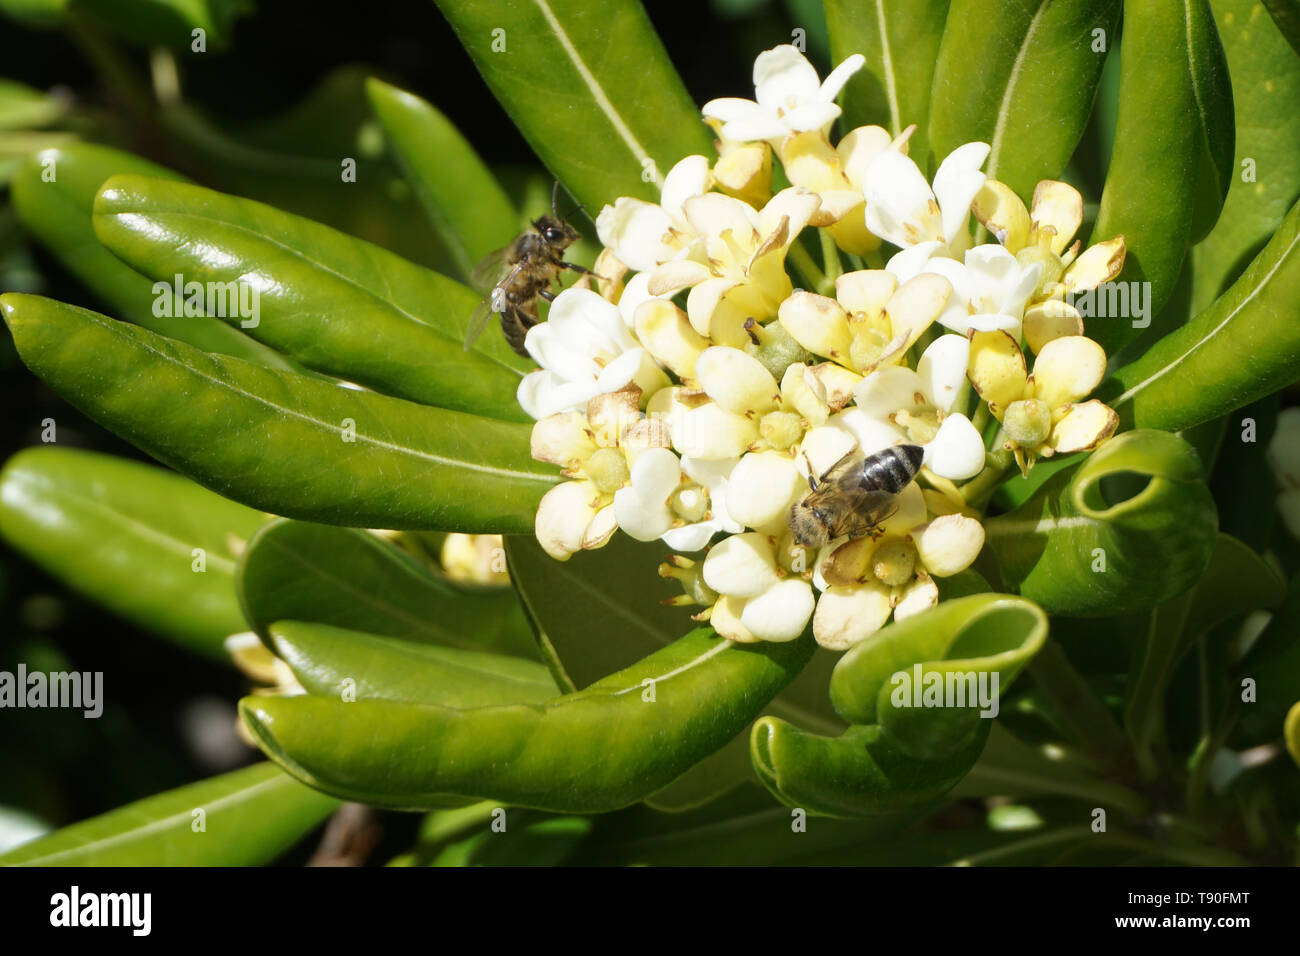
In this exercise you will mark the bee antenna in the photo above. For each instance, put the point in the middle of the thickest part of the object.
(555, 192)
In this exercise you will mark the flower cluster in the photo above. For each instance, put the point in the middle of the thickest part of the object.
(699, 393)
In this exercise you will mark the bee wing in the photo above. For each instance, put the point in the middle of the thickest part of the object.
(869, 509)
(492, 303)
(489, 270)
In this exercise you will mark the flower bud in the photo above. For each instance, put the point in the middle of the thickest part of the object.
(1028, 422)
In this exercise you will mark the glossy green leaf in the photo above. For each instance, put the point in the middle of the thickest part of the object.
(22, 107)
(330, 661)
(42, 14)
(1237, 581)
(1286, 15)
(334, 303)
(1173, 155)
(881, 680)
(296, 570)
(250, 817)
(595, 750)
(279, 441)
(1242, 348)
(1273, 663)
(621, 593)
(863, 772)
(1021, 76)
(58, 213)
(1266, 180)
(589, 85)
(168, 23)
(461, 196)
(1132, 526)
(900, 39)
(149, 545)
(548, 841)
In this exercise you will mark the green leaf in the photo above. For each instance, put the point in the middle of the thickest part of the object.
(58, 213)
(592, 751)
(548, 841)
(22, 107)
(620, 593)
(125, 535)
(1266, 85)
(325, 659)
(334, 303)
(168, 22)
(1131, 526)
(900, 39)
(880, 680)
(279, 441)
(1286, 15)
(1242, 348)
(1016, 73)
(900, 755)
(40, 14)
(251, 816)
(295, 570)
(1173, 155)
(1273, 663)
(458, 192)
(863, 772)
(589, 85)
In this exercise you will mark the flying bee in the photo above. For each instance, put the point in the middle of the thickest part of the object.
(518, 274)
(853, 497)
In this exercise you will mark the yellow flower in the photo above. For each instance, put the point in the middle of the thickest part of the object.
(1040, 413)
(1041, 234)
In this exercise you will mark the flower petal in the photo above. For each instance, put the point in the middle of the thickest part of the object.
(916, 304)
(1048, 320)
(736, 380)
(1067, 369)
(942, 370)
(563, 515)
(817, 323)
(688, 177)
(710, 431)
(783, 77)
(957, 451)
(639, 232)
(846, 616)
(886, 390)
(1060, 206)
(741, 565)
(667, 334)
(948, 544)
(725, 619)
(1099, 264)
(762, 487)
(956, 183)
(781, 612)
(1001, 212)
(997, 370)
(1083, 427)
(920, 594)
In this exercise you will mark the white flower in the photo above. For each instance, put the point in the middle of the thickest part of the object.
(659, 504)
(903, 209)
(790, 99)
(758, 600)
(584, 350)
(919, 406)
(865, 581)
(990, 286)
(643, 235)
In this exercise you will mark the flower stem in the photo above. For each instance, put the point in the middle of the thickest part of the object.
(831, 263)
(979, 489)
(874, 259)
(808, 269)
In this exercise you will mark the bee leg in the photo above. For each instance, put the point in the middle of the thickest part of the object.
(547, 294)
(812, 481)
(582, 270)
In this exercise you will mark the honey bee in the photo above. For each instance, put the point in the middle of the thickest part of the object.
(853, 497)
(518, 274)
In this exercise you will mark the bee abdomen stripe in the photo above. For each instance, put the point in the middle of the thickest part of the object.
(893, 468)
